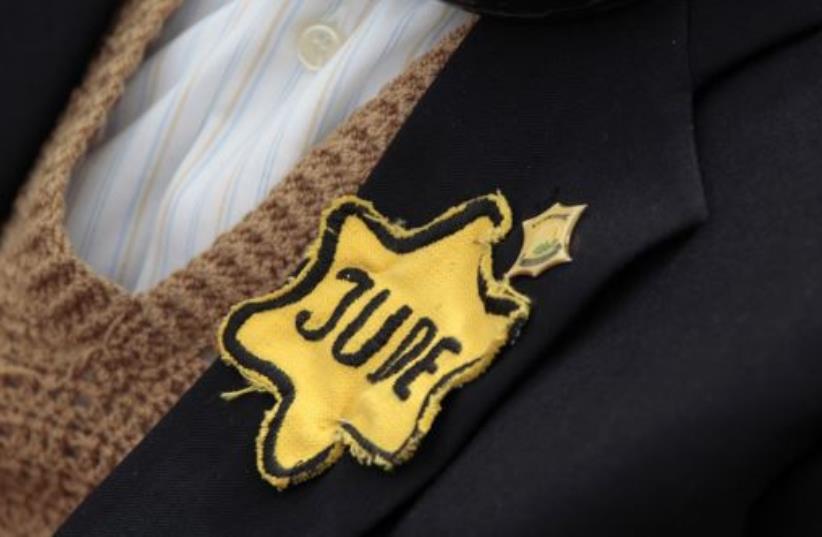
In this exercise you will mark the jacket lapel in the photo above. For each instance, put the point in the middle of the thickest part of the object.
(594, 111)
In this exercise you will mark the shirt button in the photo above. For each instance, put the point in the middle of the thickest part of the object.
(317, 44)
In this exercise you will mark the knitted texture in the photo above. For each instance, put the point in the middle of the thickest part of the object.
(87, 368)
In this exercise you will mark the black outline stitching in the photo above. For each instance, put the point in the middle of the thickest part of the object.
(313, 272)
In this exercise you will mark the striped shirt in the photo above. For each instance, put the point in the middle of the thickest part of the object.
(230, 97)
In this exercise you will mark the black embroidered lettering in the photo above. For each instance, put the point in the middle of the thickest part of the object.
(377, 341)
(425, 365)
(362, 283)
(403, 356)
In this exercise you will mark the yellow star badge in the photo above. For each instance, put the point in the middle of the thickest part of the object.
(381, 322)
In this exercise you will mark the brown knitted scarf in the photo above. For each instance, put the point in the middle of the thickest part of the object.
(87, 368)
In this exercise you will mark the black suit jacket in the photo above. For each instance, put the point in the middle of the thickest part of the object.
(669, 381)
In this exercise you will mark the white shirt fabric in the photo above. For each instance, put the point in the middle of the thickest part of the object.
(221, 110)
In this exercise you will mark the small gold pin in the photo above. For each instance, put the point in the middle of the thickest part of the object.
(546, 241)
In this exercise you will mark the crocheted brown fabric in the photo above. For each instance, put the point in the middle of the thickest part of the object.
(86, 368)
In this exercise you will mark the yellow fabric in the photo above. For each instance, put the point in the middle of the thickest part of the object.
(335, 404)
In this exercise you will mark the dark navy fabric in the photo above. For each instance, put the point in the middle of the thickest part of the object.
(668, 382)
(45, 46)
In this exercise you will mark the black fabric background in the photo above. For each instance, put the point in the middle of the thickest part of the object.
(668, 383)
(45, 46)
(538, 8)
